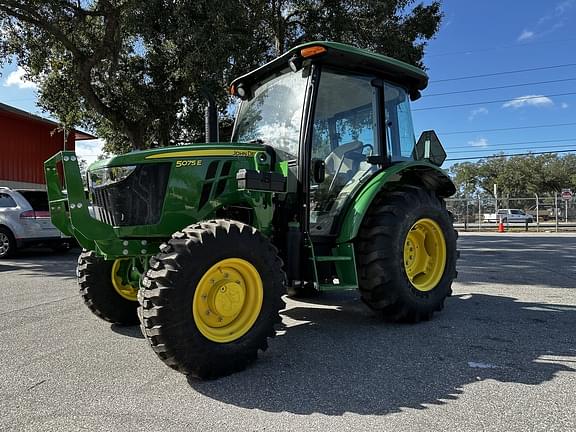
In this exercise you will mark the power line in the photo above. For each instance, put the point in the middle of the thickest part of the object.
(507, 129)
(523, 98)
(485, 149)
(509, 155)
(507, 46)
(498, 88)
(522, 143)
(504, 73)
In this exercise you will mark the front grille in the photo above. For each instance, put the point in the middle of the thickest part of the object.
(137, 200)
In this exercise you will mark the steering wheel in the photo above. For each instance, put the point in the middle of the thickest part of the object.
(352, 151)
(359, 155)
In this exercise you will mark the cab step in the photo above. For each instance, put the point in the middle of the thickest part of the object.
(329, 258)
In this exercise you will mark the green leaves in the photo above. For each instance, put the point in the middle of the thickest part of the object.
(516, 176)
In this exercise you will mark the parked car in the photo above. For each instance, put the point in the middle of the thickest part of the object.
(25, 221)
(509, 216)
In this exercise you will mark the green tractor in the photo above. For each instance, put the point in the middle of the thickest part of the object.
(322, 187)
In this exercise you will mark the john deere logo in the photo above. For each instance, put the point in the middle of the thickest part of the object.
(243, 153)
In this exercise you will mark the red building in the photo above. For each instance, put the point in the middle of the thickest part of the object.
(26, 141)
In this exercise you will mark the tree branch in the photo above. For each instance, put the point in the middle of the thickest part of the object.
(35, 19)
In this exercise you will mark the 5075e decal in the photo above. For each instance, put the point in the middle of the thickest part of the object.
(188, 163)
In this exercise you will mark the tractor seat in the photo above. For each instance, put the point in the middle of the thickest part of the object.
(338, 156)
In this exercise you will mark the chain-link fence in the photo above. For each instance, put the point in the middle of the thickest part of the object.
(537, 213)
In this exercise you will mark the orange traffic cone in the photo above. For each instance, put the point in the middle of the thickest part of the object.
(501, 227)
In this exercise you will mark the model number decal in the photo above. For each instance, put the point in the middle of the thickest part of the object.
(189, 163)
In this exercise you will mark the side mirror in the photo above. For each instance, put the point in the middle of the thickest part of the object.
(318, 170)
(429, 148)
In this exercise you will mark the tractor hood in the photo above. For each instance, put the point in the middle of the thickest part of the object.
(169, 154)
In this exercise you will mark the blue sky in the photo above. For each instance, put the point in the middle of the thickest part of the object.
(477, 37)
(484, 37)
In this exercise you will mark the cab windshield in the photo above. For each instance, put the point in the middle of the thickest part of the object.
(274, 114)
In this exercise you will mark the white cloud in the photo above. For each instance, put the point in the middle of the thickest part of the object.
(476, 112)
(564, 6)
(529, 100)
(16, 78)
(554, 18)
(479, 142)
(89, 149)
(564, 105)
(525, 35)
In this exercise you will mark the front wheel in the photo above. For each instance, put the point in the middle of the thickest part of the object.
(211, 298)
(406, 254)
(109, 288)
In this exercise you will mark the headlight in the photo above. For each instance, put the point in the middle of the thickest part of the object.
(105, 176)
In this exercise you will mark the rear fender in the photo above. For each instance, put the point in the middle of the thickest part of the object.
(408, 173)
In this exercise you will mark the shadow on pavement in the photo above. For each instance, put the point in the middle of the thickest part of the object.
(549, 261)
(338, 361)
(131, 331)
(40, 262)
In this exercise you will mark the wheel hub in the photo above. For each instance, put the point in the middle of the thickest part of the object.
(4, 243)
(425, 254)
(125, 278)
(228, 300)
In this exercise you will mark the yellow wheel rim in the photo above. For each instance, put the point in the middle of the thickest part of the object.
(228, 300)
(121, 279)
(425, 254)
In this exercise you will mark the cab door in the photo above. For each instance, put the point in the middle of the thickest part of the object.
(344, 135)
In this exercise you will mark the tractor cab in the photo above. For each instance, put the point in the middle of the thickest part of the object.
(338, 116)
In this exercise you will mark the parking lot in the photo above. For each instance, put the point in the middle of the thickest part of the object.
(501, 356)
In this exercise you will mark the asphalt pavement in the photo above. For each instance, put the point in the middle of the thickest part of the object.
(500, 357)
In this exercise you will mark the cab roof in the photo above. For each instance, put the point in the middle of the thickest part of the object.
(347, 57)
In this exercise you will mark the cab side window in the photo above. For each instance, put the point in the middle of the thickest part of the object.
(399, 129)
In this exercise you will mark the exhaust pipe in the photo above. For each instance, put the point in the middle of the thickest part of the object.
(211, 117)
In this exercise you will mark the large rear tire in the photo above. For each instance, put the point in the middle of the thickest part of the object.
(104, 289)
(407, 254)
(211, 298)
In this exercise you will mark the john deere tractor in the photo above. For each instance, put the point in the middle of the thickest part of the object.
(322, 187)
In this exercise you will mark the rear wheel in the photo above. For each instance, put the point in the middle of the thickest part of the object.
(406, 254)
(211, 298)
(109, 288)
(7, 243)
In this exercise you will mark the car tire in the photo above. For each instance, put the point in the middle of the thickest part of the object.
(7, 243)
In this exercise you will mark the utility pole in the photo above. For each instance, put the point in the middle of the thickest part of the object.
(65, 134)
(495, 198)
